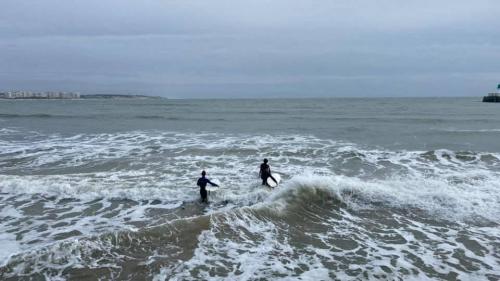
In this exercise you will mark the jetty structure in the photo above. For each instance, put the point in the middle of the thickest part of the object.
(493, 97)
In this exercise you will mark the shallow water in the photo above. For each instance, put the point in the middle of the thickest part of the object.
(372, 189)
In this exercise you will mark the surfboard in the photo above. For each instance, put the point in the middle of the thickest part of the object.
(270, 181)
(212, 188)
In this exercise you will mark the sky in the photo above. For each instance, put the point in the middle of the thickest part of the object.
(252, 49)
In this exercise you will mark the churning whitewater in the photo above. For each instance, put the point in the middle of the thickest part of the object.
(92, 198)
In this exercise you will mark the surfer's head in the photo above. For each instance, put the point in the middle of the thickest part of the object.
(203, 173)
(265, 160)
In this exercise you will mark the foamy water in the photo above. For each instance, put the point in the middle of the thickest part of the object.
(123, 204)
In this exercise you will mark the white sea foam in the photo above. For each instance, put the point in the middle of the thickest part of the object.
(9, 247)
(243, 246)
(493, 130)
(89, 164)
(36, 173)
(102, 185)
(7, 131)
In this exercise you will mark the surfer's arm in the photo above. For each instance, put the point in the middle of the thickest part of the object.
(271, 176)
(211, 183)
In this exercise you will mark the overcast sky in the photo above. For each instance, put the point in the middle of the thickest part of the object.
(233, 48)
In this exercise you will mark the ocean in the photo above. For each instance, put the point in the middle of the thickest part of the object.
(372, 189)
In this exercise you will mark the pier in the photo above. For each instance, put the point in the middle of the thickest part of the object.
(493, 97)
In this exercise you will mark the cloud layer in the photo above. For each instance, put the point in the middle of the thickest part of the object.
(251, 48)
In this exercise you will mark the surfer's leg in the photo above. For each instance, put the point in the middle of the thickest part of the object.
(203, 194)
(264, 181)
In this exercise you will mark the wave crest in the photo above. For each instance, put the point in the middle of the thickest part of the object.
(440, 197)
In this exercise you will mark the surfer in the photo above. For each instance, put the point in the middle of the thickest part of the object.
(202, 183)
(265, 172)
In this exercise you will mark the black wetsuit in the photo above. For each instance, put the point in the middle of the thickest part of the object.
(202, 183)
(265, 172)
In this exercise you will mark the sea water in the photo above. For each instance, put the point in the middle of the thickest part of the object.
(387, 189)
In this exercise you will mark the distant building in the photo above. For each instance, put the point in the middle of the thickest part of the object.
(39, 95)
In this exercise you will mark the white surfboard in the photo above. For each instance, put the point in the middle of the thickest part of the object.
(270, 181)
(212, 188)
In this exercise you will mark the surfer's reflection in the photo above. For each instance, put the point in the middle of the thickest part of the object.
(202, 183)
(265, 172)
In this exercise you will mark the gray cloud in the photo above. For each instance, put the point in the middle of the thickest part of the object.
(251, 48)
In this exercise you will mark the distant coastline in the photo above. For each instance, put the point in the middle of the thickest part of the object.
(110, 96)
(13, 95)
